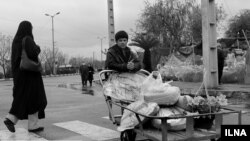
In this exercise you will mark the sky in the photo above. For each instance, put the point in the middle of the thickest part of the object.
(80, 22)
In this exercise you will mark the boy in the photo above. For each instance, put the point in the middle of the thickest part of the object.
(120, 57)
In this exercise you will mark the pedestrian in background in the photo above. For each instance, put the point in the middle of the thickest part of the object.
(84, 72)
(91, 73)
(221, 60)
(120, 57)
(230, 59)
(29, 99)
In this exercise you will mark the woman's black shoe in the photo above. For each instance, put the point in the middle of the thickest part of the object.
(39, 129)
(10, 125)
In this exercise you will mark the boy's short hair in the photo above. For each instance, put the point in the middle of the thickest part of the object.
(121, 34)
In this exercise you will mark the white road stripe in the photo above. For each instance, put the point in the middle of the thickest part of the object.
(21, 134)
(89, 130)
(107, 117)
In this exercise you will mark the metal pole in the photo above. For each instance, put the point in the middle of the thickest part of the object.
(53, 45)
(53, 42)
(93, 59)
(101, 50)
(246, 38)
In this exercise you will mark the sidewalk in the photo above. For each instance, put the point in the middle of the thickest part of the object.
(186, 87)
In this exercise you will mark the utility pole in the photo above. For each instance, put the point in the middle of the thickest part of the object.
(53, 42)
(247, 61)
(209, 44)
(111, 23)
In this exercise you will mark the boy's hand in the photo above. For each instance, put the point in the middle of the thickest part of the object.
(130, 65)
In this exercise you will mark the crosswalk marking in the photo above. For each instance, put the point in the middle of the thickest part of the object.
(106, 117)
(21, 134)
(89, 130)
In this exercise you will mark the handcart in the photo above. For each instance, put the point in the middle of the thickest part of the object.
(189, 134)
(110, 100)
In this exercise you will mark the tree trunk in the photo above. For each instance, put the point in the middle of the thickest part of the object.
(155, 60)
(147, 60)
(4, 72)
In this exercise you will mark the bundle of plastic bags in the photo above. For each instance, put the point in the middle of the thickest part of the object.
(129, 120)
(154, 90)
(173, 124)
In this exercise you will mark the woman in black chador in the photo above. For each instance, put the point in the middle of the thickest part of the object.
(29, 99)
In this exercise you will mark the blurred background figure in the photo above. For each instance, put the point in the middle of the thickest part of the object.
(91, 73)
(84, 72)
(221, 59)
(230, 59)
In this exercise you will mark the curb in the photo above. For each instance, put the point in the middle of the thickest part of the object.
(58, 75)
(43, 76)
(7, 79)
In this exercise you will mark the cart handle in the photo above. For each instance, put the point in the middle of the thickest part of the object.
(178, 116)
(103, 72)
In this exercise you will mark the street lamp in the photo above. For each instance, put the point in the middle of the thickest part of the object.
(53, 43)
(101, 38)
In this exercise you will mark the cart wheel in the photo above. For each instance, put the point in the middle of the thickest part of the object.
(128, 135)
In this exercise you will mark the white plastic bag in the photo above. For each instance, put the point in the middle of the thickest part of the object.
(173, 124)
(154, 79)
(129, 120)
(154, 90)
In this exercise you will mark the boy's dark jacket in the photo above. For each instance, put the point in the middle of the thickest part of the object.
(116, 60)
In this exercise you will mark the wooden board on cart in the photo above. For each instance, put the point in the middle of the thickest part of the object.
(191, 133)
(181, 135)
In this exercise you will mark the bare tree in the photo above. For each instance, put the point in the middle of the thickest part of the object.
(166, 19)
(46, 58)
(62, 58)
(76, 61)
(175, 22)
(5, 50)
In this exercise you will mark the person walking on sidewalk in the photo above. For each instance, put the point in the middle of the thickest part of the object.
(84, 72)
(29, 98)
(221, 60)
(91, 73)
